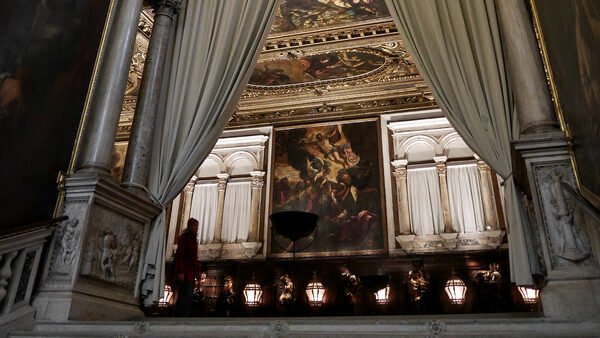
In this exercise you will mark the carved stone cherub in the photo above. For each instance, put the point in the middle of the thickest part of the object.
(68, 241)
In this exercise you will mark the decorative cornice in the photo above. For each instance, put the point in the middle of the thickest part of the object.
(359, 32)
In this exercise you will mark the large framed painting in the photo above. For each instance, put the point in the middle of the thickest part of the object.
(48, 53)
(571, 37)
(332, 170)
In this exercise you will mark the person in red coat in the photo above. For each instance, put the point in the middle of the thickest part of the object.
(187, 268)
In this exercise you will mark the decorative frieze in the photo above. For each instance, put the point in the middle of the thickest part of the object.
(450, 242)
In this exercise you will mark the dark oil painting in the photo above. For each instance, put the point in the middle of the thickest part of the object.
(294, 15)
(571, 31)
(332, 171)
(48, 50)
(320, 67)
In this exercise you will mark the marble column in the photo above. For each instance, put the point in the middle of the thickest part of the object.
(532, 97)
(487, 192)
(100, 130)
(223, 177)
(440, 165)
(186, 202)
(139, 151)
(402, 193)
(257, 185)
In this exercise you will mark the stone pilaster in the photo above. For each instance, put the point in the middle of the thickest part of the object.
(139, 151)
(402, 193)
(257, 186)
(563, 226)
(101, 126)
(440, 165)
(487, 192)
(223, 177)
(186, 202)
(96, 256)
(532, 97)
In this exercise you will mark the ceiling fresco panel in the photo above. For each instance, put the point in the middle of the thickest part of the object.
(295, 15)
(316, 68)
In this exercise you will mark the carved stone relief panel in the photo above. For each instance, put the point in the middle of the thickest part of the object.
(113, 244)
(67, 241)
(564, 229)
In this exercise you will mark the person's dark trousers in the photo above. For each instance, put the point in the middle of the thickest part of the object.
(183, 307)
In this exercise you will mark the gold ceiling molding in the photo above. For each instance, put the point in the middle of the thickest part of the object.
(395, 86)
(356, 34)
(371, 99)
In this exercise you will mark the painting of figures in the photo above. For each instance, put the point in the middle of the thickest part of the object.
(294, 15)
(333, 171)
(342, 64)
(47, 54)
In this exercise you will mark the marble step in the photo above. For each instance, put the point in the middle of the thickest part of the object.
(493, 325)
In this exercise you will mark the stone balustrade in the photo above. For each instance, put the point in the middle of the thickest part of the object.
(20, 256)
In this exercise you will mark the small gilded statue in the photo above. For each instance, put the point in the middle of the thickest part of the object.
(227, 298)
(418, 285)
(287, 289)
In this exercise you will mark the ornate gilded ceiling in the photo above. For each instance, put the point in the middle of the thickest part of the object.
(323, 60)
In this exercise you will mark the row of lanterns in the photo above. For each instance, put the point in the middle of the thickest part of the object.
(455, 288)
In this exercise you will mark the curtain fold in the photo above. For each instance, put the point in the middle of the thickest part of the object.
(236, 212)
(215, 47)
(424, 201)
(204, 209)
(464, 192)
(457, 48)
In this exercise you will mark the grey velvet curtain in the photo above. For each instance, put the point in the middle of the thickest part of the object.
(457, 48)
(215, 48)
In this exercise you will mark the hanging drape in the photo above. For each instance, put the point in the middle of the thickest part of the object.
(215, 48)
(457, 48)
(424, 201)
(204, 209)
(464, 194)
(236, 213)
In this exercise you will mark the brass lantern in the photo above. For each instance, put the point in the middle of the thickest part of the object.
(315, 291)
(165, 300)
(456, 290)
(252, 293)
(530, 295)
(382, 297)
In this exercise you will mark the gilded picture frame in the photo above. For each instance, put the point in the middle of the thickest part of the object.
(335, 171)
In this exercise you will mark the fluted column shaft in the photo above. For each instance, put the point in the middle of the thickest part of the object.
(105, 108)
(532, 97)
(440, 165)
(489, 209)
(139, 151)
(220, 207)
(402, 193)
(257, 185)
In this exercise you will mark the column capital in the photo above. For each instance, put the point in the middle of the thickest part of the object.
(440, 164)
(189, 187)
(482, 166)
(174, 5)
(223, 177)
(257, 179)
